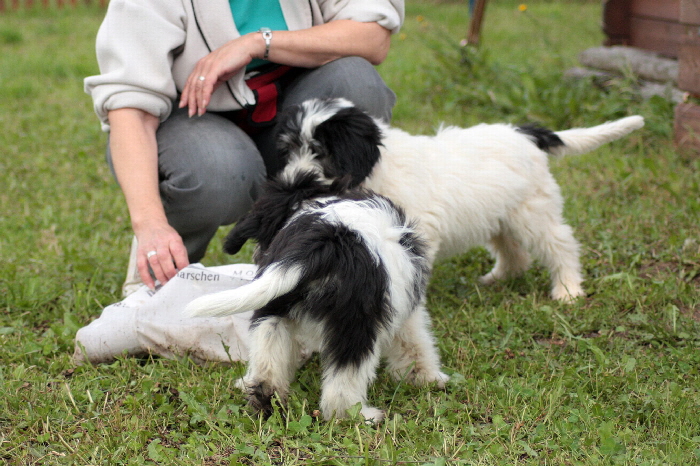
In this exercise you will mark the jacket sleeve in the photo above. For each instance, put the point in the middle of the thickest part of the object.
(387, 13)
(135, 47)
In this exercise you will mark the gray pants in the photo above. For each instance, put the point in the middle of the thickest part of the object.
(210, 170)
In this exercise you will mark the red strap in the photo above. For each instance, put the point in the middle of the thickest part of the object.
(265, 87)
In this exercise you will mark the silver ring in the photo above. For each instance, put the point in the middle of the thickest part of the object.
(202, 78)
(150, 254)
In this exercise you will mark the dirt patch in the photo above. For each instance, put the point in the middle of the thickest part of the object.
(685, 270)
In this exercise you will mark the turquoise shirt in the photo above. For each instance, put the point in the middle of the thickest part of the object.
(251, 15)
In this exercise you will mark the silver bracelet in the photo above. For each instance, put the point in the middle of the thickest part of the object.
(267, 35)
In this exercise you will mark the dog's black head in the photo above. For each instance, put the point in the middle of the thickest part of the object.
(331, 136)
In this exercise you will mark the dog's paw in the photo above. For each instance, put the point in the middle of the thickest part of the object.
(568, 294)
(240, 384)
(488, 279)
(340, 410)
(438, 378)
(441, 379)
(259, 398)
(422, 377)
(372, 415)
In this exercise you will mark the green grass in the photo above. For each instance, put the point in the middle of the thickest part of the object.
(613, 379)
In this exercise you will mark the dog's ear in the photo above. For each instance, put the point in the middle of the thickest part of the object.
(266, 217)
(247, 227)
(279, 200)
(260, 224)
(350, 140)
(288, 132)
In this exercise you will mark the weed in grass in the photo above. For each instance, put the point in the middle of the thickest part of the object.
(10, 36)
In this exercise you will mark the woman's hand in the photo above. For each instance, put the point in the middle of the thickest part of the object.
(218, 67)
(306, 48)
(161, 248)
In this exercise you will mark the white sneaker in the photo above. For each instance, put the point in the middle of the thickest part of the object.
(133, 280)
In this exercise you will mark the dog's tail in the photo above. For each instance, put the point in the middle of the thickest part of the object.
(581, 140)
(578, 141)
(272, 283)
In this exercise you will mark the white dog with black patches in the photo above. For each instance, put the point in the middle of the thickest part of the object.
(488, 185)
(342, 272)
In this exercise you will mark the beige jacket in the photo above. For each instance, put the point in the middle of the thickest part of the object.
(146, 49)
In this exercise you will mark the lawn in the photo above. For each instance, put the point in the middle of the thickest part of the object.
(612, 379)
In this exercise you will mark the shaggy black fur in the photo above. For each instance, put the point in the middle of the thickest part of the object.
(279, 200)
(343, 285)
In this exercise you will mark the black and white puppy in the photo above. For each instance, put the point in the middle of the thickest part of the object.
(341, 272)
(488, 185)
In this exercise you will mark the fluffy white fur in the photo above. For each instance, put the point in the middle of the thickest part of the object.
(272, 284)
(490, 185)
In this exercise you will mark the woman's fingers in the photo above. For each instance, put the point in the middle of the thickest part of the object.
(212, 71)
(161, 262)
(200, 85)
